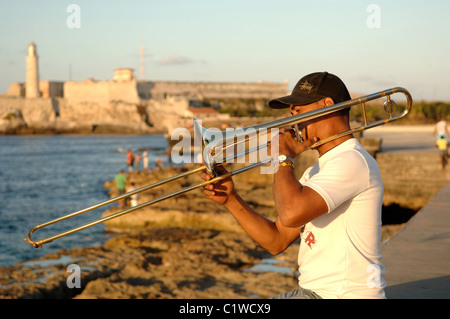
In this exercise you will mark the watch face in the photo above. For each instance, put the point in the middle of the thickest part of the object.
(282, 157)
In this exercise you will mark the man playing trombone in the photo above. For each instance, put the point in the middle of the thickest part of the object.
(335, 208)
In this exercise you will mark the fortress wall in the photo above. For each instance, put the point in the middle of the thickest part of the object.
(16, 89)
(121, 103)
(32, 106)
(97, 92)
(169, 113)
(123, 91)
(31, 115)
(213, 90)
(51, 89)
(145, 90)
(101, 92)
(11, 102)
(46, 89)
(38, 113)
(131, 91)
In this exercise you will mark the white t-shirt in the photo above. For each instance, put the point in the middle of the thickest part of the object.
(441, 128)
(340, 252)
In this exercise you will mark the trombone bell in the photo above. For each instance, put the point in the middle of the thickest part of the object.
(200, 132)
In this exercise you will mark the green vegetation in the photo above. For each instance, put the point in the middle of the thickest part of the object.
(430, 111)
(245, 107)
(422, 112)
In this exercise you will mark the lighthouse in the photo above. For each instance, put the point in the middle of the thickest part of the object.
(32, 83)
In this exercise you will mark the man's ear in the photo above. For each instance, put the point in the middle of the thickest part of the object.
(328, 101)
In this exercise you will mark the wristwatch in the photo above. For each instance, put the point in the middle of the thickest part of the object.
(284, 158)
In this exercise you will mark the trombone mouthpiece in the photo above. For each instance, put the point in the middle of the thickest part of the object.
(298, 134)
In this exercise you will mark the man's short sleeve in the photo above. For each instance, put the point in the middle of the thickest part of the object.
(339, 179)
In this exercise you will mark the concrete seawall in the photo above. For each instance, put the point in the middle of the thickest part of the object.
(410, 164)
(409, 179)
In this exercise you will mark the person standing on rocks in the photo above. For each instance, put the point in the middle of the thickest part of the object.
(120, 180)
(335, 208)
(130, 161)
(145, 160)
(137, 161)
(135, 197)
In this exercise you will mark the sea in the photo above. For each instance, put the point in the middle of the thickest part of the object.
(45, 177)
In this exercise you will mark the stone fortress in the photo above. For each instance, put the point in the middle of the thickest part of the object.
(123, 104)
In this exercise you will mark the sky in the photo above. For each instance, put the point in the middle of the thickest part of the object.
(371, 45)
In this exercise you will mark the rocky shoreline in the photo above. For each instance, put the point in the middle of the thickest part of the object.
(185, 247)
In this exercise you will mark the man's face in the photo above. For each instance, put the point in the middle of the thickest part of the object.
(300, 109)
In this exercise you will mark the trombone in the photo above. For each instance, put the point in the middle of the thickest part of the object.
(211, 148)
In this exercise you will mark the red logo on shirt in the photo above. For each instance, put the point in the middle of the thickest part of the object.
(310, 239)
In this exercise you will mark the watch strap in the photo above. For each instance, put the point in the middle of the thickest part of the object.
(287, 158)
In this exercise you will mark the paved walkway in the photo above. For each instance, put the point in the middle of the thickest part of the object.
(409, 138)
(417, 259)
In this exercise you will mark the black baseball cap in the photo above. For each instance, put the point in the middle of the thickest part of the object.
(312, 88)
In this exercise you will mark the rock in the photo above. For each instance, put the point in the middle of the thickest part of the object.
(186, 247)
(11, 120)
(192, 264)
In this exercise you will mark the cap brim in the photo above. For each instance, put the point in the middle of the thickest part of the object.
(288, 100)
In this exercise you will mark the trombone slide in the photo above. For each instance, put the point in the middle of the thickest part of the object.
(210, 162)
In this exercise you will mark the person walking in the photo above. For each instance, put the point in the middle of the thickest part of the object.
(443, 150)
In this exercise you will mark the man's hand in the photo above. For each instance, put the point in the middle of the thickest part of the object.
(220, 191)
(286, 144)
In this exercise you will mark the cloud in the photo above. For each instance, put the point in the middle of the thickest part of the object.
(174, 60)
